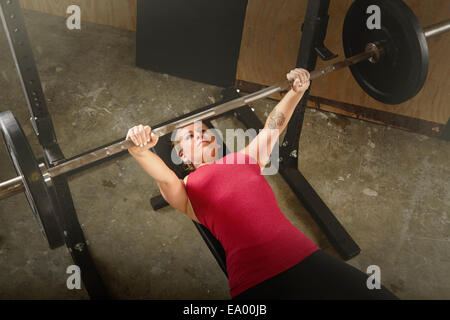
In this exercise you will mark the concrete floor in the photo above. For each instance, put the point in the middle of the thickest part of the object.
(389, 188)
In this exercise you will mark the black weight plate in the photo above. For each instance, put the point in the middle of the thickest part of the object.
(36, 189)
(401, 72)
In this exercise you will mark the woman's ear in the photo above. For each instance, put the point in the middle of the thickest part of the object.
(181, 154)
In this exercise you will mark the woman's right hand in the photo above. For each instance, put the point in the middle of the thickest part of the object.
(142, 137)
(300, 80)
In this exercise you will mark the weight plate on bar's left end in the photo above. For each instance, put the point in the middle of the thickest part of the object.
(402, 70)
(36, 189)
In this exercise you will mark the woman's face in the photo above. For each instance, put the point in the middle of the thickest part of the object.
(198, 144)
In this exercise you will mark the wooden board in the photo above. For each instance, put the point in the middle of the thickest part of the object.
(269, 49)
(116, 13)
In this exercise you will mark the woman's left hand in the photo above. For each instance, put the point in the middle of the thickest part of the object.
(300, 78)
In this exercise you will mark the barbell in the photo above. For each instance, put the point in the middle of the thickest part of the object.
(390, 64)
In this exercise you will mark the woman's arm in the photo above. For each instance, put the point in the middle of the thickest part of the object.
(261, 147)
(172, 188)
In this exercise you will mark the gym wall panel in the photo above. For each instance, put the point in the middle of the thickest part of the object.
(196, 39)
(269, 49)
(116, 13)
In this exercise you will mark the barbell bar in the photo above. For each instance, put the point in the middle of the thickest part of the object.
(15, 185)
(437, 29)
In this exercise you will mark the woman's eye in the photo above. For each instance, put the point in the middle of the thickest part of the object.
(188, 137)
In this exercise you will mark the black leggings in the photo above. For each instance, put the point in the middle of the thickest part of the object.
(319, 276)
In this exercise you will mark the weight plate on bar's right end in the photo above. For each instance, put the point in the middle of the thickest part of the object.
(402, 70)
(36, 190)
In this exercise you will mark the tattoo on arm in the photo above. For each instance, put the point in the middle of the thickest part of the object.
(276, 119)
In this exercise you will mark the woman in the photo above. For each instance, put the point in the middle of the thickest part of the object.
(267, 257)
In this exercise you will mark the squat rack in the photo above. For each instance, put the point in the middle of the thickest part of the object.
(72, 234)
(314, 31)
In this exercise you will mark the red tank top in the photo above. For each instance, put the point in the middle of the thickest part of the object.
(236, 203)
